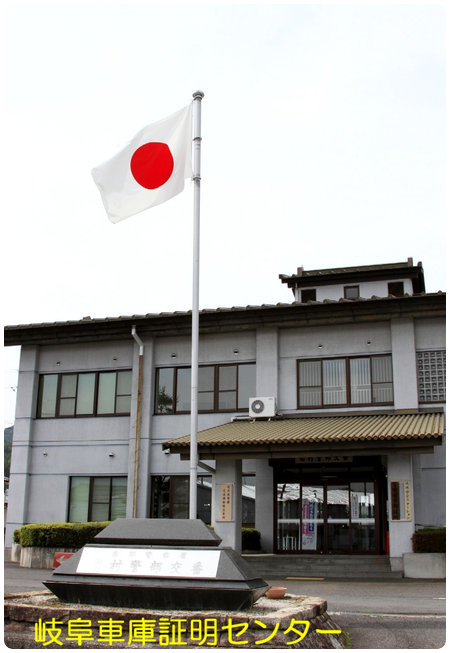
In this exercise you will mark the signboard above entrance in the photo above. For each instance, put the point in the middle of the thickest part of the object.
(324, 459)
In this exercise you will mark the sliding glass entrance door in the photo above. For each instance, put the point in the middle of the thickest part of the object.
(300, 517)
(312, 518)
(326, 517)
(338, 517)
(362, 513)
(288, 516)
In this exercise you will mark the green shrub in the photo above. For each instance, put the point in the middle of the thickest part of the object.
(77, 535)
(63, 535)
(429, 540)
(16, 536)
(251, 539)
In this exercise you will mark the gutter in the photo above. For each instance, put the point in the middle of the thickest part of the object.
(138, 417)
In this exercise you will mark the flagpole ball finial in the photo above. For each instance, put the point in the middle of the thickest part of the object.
(199, 94)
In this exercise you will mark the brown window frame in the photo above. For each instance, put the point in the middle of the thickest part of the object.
(91, 493)
(348, 402)
(346, 288)
(392, 289)
(308, 291)
(216, 391)
(60, 376)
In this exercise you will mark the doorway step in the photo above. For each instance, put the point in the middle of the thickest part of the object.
(337, 567)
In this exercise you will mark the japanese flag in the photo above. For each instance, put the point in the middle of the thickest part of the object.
(150, 169)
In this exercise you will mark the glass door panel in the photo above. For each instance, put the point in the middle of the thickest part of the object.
(312, 518)
(338, 517)
(329, 515)
(362, 504)
(288, 516)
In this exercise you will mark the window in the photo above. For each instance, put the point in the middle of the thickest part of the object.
(308, 295)
(221, 388)
(345, 382)
(170, 498)
(97, 498)
(431, 372)
(84, 394)
(396, 288)
(351, 292)
(248, 501)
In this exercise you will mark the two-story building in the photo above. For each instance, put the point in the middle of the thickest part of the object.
(321, 421)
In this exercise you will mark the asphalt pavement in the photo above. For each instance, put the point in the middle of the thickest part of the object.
(400, 614)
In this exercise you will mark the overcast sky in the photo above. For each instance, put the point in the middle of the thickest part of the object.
(323, 145)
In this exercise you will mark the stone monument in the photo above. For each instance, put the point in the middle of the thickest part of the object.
(169, 564)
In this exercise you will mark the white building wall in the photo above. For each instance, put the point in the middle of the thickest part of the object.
(400, 532)
(95, 356)
(22, 452)
(229, 471)
(367, 289)
(81, 446)
(430, 334)
(430, 469)
(267, 363)
(404, 366)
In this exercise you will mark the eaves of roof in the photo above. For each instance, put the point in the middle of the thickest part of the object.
(357, 268)
(228, 319)
(358, 434)
(351, 275)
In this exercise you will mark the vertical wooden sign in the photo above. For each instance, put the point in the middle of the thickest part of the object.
(226, 502)
(395, 500)
(401, 501)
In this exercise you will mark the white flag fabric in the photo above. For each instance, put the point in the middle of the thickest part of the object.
(150, 169)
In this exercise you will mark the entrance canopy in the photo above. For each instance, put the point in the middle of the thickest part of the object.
(285, 437)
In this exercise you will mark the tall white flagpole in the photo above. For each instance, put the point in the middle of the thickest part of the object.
(198, 95)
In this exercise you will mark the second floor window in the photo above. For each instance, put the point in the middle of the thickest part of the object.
(345, 382)
(351, 292)
(308, 295)
(396, 288)
(221, 388)
(84, 394)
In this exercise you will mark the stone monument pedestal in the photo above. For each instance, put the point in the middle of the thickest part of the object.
(170, 564)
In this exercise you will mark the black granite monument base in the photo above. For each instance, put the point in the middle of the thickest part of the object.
(157, 563)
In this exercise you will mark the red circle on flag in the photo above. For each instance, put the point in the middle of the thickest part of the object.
(152, 165)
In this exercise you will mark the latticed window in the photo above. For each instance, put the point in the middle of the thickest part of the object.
(358, 381)
(431, 375)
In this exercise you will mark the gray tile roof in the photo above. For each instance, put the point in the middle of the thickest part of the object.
(280, 305)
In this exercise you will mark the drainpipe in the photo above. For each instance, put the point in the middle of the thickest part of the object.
(138, 417)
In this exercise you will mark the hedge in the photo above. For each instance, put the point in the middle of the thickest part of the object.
(429, 540)
(251, 539)
(64, 535)
(77, 535)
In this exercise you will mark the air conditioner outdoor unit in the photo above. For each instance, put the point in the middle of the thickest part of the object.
(262, 407)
